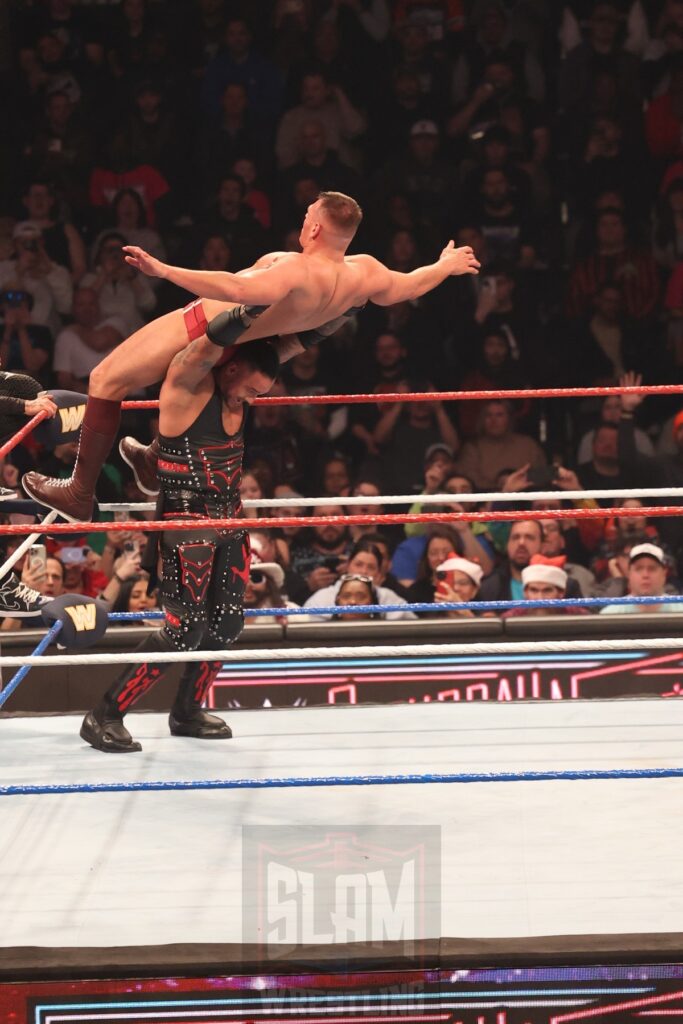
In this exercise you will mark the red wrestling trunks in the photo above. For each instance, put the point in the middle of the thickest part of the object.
(196, 324)
(195, 320)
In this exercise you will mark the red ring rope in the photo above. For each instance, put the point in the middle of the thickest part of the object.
(17, 438)
(393, 519)
(450, 396)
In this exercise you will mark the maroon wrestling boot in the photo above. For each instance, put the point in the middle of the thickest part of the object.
(74, 498)
(62, 496)
(142, 459)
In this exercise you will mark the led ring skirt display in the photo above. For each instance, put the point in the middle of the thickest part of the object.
(490, 861)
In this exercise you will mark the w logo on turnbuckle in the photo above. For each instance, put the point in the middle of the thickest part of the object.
(83, 616)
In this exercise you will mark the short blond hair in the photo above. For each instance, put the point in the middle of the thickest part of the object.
(343, 212)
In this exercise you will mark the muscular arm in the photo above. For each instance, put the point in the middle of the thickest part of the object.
(260, 285)
(386, 286)
(191, 365)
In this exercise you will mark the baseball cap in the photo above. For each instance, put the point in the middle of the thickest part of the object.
(652, 550)
(424, 128)
(439, 447)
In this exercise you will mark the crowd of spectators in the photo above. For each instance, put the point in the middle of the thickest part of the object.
(549, 137)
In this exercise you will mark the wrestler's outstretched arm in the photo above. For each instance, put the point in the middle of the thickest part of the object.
(386, 287)
(259, 285)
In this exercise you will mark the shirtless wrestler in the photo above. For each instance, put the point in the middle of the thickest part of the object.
(306, 294)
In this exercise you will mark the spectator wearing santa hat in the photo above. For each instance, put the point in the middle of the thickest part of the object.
(458, 580)
(544, 579)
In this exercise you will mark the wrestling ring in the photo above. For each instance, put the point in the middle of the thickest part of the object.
(267, 855)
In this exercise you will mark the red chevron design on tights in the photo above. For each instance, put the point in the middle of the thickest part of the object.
(208, 670)
(144, 678)
(243, 573)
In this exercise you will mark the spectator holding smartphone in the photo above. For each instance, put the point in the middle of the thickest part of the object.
(442, 542)
(457, 580)
(124, 568)
(320, 557)
(43, 573)
(33, 271)
(80, 577)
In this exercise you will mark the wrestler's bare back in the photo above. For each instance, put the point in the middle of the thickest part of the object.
(327, 290)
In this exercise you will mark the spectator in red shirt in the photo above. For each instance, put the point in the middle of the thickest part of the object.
(614, 259)
(664, 118)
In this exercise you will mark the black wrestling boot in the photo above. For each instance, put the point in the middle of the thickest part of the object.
(104, 730)
(103, 727)
(187, 716)
(199, 724)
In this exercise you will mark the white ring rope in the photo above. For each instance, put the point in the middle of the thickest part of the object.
(26, 543)
(454, 651)
(429, 499)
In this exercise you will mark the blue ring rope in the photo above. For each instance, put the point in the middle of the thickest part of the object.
(459, 606)
(21, 674)
(370, 609)
(299, 782)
